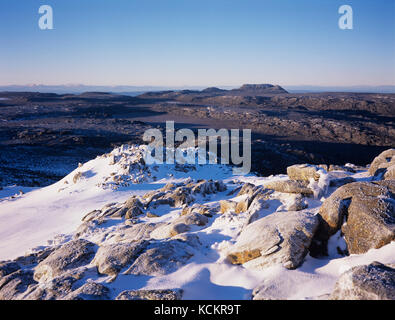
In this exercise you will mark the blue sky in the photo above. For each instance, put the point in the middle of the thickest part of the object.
(197, 42)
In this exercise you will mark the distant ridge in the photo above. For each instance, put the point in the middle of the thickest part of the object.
(136, 90)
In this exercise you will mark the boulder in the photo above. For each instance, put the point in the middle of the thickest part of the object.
(55, 289)
(290, 186)
(192, 218)
(73, 254)
(15, 283)
(169, 294)
(161, 258)
(111, 258)
(227, 205)
(280, 238)
(89, 291)
(390, 173)
(383, 161)
(8, 267)
(368, 210)
(371, 282)
(303, 172)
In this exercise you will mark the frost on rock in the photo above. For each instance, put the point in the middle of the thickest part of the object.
(280, 238)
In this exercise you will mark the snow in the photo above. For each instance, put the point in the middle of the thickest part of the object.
(43, 216)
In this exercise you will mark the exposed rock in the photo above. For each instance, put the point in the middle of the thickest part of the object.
(303, 172)
(243, 205)
(290, 186)
(8, 267)
(170, 294)
(35, 257)
(227, 205)
(208, 187)
(201, 209)
(89, 291)
(73, 254)
(298, 203)
(161, 258)
(371, 282)
(390, 173)
(280, 238)
(140, 231)
(383, 161)
(192, 218)
(55, 289)
(338, 182)
(368, 209)
(247, 189)
(176, 229)
(110, 259)
(14, 284)
(333, 167)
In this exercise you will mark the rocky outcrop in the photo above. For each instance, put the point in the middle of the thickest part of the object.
(382, 162)
(161, 258)
(170, 294)
(290, 186)
(303, 172)
(371, 282)
(280, 238)
(368, 210)
(72, 255)
(15, 283)
(110, 259)
(90, 291)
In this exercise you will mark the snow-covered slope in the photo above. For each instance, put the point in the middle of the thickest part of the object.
(53, 215)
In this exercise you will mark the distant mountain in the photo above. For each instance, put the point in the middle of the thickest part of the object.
(354, 89)
(256, 89)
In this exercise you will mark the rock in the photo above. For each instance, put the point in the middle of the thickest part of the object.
(383, 161)
(14, 284)
(303, 172)
(333, 167)
(242, 206)
(368, 210)
(192, 218)
(77, 177)
(208, 187)
(89, 291)
(176, 229)
(73, 254)
(338, 182)
(201, 209)
(161, 258)
(280, 238)
(111, 259)
(227, 205)
(298, 203)
(181, 196)
(57, 288)
(170, 294)
(140, 231)
(91, 215)
(8, 267)
(390, 173)
(290, 186)
(134, 209)
(151, 215)
(247, 189)
(371, 282)
(35, 257)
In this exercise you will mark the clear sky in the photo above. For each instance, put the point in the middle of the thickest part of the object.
(197, 42)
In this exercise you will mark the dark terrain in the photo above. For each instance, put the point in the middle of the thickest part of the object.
(44, 136)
